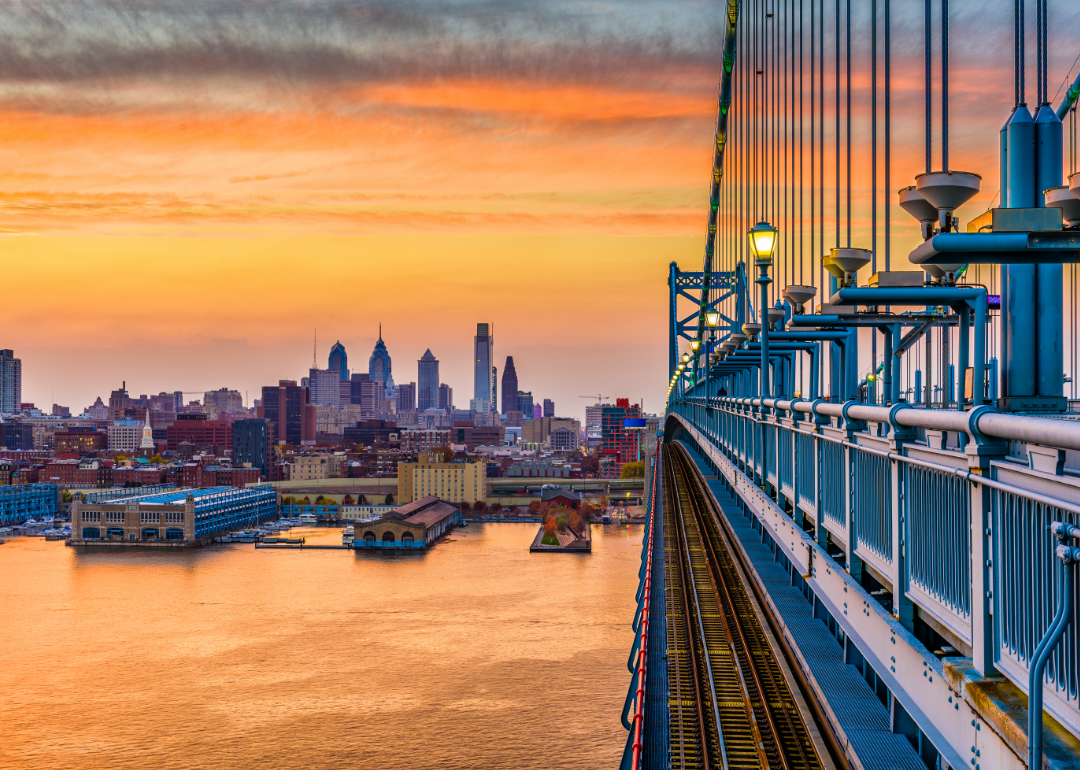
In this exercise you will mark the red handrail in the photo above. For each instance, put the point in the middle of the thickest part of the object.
(643, 628)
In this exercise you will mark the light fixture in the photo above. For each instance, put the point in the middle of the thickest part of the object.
(695, 345)
(685, 358)
(712, 319)
(762, 242)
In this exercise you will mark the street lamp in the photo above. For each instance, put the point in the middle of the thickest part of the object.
(685, 358)
(762, 244)
(695, 345)
(712, 319)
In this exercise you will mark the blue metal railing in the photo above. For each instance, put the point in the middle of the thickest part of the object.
(932, 515)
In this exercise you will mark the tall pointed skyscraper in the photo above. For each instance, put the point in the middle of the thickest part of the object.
(509, 386)
(379, 363)
(427, 379)
(339, 361)
(483, 353)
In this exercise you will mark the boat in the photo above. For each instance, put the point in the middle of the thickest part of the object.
(308, 519)
(347, 536)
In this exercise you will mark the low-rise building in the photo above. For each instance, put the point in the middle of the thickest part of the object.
(455, 481)
(28, 501)
(80, 441)
(414, 525)
(180, 517)
(124, 435)
(424, 440)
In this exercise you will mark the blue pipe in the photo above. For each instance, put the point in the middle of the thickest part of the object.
(1049, 285)
(1041, 656)
(1020, 330)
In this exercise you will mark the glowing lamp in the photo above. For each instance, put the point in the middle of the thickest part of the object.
(762, 242)
(712, 319)
(694, 345)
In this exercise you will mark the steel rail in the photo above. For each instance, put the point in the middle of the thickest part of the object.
(689, 587)
(643, 630)
(776, 688)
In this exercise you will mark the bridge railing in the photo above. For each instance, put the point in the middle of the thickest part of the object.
(943, 514)
(633, 714)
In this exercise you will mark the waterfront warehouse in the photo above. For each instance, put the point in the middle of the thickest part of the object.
(27, 501)
(414, 525)
(182, 517)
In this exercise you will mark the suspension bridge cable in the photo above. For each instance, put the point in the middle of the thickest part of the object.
(1021, 62)
(927, 43)
(802, 145)
(945, 85)
(836, 90)
(888, 136)
(847, 130)
(873, 136)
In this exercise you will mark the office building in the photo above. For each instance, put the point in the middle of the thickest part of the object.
(78, 440)
(379, 367)
(195, 429)
(339, 361)
(119, 402)
(369, 432)
(251, 445)
(483, 353)
(494, 389)
(180, 517)
(509, 387)
(124, 435)
(525, 404)
(427, 377)
(220, 400)
(549, 408)
(618, 444)
(367, 394)
(288, 408)
(536, 432)
(10, 382)
(456, 482)
(594, 416)
(564, 439)
(325, 387)
(424, 440)
(446, 398)
(16, 436)
(406, 398)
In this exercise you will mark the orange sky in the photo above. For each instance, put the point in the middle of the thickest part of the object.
(188, 192)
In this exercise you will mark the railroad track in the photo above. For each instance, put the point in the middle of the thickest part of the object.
(730, 705)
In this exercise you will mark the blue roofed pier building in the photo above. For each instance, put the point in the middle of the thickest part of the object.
(181, 517)
(28, 501)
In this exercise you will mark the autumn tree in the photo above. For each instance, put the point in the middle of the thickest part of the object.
(634, 470)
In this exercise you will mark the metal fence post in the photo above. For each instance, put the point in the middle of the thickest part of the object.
(980, 454)
(903, 608)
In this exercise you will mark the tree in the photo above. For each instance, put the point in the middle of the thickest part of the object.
(480, 506)
(549, 527)
(157, 460)
(590, 464)
(389, 500)
(464, 506)
(348, 500)
(634, 470)
(496, 507)
(577, 523)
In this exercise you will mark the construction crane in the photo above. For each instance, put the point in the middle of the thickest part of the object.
(599, 398)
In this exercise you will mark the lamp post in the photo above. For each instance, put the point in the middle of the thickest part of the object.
(762, 245)
(712, 321)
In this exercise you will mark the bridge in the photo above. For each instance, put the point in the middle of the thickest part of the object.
(864, 507)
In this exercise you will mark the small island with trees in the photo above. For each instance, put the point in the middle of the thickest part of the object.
(563, 530)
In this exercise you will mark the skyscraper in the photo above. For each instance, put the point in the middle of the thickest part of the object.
(379, 363)
(483, 351)
(525, 404)
(406, 397)
(251, 444)
(495, 389)
(325, 387)
(288, 407)
(10, 382)
(509, 386)
(428, 380)
(339, 361)
(446, 397)
(549, 408)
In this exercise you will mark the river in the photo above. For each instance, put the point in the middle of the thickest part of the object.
(476, 654)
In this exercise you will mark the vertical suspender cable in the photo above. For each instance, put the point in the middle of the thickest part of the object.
(836, 91)
(847, 130)
(888, 136)
(802, 146)
(927, 42)
(873, 137)
(1021, 63)
(945, 86)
